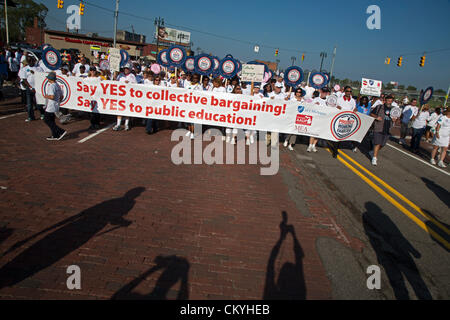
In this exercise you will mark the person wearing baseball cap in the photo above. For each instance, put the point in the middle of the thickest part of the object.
(54, 96)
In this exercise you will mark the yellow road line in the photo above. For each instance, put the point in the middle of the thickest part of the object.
(398, 194)
(395, 203)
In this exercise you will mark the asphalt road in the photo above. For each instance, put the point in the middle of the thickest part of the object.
(415, 264)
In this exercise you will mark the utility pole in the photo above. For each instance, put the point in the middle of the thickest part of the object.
(322, 55)
(159, 22)
(6, 23)
(293, 59)
(332, 63)
(116, 16)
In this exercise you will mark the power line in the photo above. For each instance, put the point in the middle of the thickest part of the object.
(202, 32)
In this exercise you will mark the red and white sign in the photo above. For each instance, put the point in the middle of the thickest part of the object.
(371, 87)
(303, 120)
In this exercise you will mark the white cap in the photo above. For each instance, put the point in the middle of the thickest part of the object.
(279, 85)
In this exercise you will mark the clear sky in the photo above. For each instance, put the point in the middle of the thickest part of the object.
(408, 28)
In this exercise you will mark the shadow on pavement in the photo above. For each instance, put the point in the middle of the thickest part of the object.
(175, 269)
(290, 284)
(65, 237)
(5, 233)
(440, 192)
(394, 252)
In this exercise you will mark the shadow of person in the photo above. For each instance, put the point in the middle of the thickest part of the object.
(65, 237)
(175, 269)
(5, 233)
(393, 252)
(291, 280)
(440, 192)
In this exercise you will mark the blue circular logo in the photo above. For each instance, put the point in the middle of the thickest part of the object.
(301, 109)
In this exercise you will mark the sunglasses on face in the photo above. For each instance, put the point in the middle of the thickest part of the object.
(348, 91)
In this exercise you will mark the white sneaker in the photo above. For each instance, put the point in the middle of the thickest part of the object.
(314, 148)
(441, 164)
(432, 161)
(252, 140)
(192, 136)
(233, 140)
(116, 128)
(355, 150)
(188, 133)
(290, 148)
(127, 128)
(309, 149)
(285, 144)
(228, 139)
(247, 142)
(374, 161)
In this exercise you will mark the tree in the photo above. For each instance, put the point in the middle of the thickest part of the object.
(21, 17)
(411, 88)
(401, 87)
(389, 86)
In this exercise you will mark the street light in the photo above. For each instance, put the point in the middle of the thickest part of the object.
(293, 59)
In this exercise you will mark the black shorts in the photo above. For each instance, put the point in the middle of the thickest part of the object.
(380, 138)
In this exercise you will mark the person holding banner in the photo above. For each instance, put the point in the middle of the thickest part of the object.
(26, 75)
(82, 62)
(152, 124)
(126, 77)
(381, 126)
(442, 138)
(194, 85)
(54, 96)
(231, 134)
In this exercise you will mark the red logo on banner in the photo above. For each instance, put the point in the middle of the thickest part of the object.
(303, 120)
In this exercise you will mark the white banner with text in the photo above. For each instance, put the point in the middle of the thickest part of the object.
(207, 107)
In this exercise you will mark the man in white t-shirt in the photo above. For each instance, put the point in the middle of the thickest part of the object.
(309, 91)
(76, 68)
(277, 92)
(26, 76)
(54, 96)
(346, 102)
(409, 114)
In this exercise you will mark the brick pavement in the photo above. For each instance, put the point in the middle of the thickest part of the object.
(189, 231)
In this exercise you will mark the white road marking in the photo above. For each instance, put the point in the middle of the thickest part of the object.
(12, 115)
(428, 164)
(96, 133)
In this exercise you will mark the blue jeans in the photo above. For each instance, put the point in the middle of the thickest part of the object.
(416, 137)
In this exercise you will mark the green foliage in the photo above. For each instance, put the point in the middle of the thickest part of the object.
(21, 17)
(411, 88)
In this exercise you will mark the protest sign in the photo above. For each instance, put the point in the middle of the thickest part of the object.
(115, 58)
(207, 107)
(252, 73)
(371, 87)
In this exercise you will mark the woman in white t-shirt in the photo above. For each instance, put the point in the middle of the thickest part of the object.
(418, 125)
(441, 138)
(431, 124)
(290, 139)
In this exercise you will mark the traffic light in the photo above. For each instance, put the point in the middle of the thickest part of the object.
(81, 8)
(422, 61)
(399, 62)
(303, 57)
(387, 60)
(60, 4)
(276, 52)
